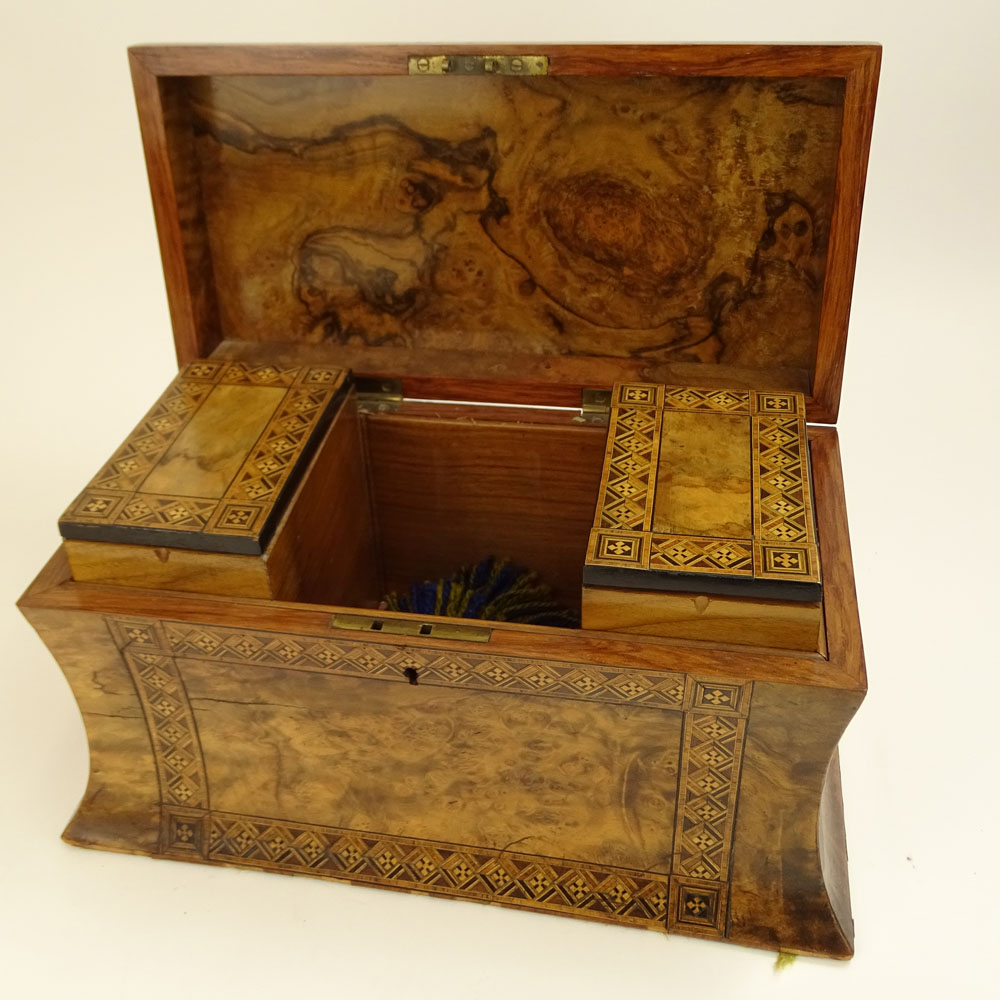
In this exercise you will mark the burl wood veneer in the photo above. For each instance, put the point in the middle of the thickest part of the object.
(620, 778)
(591, 215)
(705, 528)
(242, 479)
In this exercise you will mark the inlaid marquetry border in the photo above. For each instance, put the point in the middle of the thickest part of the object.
(172, 731)
(629, 475)
(711, 756)
(531, 881)
(784, 543)
(545, 678)
(113, 504)
(690, 899)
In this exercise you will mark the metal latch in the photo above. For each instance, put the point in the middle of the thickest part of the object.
(595, 406)
(462, 65)
(379, 395)
(403, 626)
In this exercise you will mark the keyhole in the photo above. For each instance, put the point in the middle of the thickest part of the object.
(410, 673)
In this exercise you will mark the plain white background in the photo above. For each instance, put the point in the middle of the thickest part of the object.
(87, 345)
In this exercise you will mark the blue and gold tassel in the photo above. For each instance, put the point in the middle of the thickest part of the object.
(493, 590)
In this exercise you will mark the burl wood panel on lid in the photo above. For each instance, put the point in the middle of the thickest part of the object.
(641, 213)
(211, 463)
(549, 216)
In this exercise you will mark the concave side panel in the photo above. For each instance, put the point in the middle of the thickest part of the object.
(790, 860)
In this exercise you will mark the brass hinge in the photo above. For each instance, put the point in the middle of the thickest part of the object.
(404, 626)
(379, 395)
(595, 406)
(479, 65)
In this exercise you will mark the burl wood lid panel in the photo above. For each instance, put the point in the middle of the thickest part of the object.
(211, 464)
(706, 490)
(661, 220)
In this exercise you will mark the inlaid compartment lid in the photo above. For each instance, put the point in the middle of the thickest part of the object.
(706, 490)
(212, 464)
(585, 216)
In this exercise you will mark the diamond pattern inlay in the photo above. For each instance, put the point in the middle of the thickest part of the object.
(779, 498)
(115, 502)
(689, 898)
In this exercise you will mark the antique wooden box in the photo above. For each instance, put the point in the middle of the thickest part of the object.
(485, 273)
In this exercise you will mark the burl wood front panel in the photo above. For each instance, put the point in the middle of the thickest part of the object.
(594, 791)
(664, 219)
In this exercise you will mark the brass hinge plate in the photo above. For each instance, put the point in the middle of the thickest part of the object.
(404, 626)
(379, 395)
(595, 406)
(462, 65)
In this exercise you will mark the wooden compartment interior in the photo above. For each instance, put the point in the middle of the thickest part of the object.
(447, 491)
(434, 487)
(422, 494)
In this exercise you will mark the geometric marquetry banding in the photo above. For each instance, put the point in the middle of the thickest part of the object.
(782, 546)
(717, 400)
(533, 881)
(779, 403)
(638, 394)
(630, 465)
(183, 832)
(482, 672)
(701, 555)
(120, 503)
(730, 697)
(783, 515)
(697, 907)
(689, 899)
(788, 562)
(627, 549)
(172, 730)
(710, 770)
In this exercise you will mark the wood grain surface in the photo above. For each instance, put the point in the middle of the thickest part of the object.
(448, 493)
(680, 786)
(744, 257)
(165, 568)
(553, 216)
(711, 617)
(592, 782)
(120, 808)
(325, 547)
(704, 480)
(780, 889)
(211, 464)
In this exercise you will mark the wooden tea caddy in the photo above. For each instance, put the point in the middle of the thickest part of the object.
(461, 228)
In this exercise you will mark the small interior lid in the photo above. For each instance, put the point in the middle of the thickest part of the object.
(559, 217)
(706, 490)
(212, 464)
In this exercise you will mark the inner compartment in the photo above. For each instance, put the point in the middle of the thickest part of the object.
(425, 489)
(449, 486)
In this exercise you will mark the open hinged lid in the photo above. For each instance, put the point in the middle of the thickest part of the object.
(516, 223)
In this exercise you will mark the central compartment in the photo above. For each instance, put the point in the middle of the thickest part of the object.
(446, 486)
